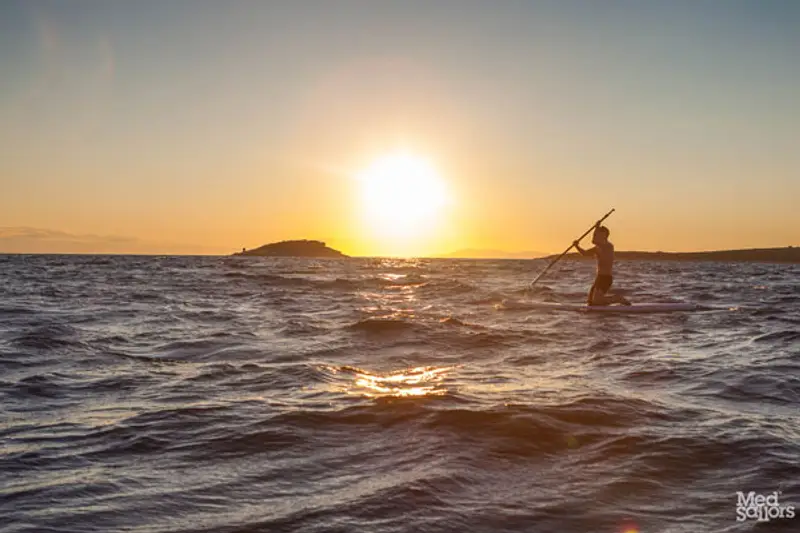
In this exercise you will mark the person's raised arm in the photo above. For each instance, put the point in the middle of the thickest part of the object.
(590, 251)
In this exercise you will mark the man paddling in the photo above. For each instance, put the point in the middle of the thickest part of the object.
(604, 251)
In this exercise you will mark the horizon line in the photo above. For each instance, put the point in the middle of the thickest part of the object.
(440, 256)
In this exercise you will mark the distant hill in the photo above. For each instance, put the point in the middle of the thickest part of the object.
(756, 255)
(301, 248)
(479, 253)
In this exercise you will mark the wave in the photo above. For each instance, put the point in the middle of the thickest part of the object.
(50, 336)
(784, 336)
(385, 325)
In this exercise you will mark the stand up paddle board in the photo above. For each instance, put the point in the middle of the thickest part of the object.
(635, 308)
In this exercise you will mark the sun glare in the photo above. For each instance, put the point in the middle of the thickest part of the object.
(402, 194)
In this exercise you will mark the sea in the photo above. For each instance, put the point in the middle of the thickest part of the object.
(241, 394)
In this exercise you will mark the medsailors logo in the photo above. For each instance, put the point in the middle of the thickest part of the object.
(760, 507)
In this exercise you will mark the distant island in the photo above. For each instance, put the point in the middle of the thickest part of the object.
(301, 248)
(757, 255)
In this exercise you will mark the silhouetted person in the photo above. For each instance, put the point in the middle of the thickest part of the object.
(604, 251)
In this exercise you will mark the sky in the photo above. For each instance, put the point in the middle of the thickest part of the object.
(204, 127)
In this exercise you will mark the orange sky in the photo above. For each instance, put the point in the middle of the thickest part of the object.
(189, 128)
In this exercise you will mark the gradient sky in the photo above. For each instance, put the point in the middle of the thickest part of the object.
(204, 126)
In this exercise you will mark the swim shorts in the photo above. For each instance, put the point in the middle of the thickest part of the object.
(601, 283)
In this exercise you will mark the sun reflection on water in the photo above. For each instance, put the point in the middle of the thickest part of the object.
(630, 527)
(419, 381)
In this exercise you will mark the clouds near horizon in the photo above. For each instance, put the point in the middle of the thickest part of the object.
(38, 240)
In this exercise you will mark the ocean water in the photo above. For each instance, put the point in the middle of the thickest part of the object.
(213, 394)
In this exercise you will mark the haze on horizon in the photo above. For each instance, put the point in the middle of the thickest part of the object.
(205, 127)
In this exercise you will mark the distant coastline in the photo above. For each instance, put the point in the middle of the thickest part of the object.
(312, 248)
(788, 254)
(480, 253)
(300, 248)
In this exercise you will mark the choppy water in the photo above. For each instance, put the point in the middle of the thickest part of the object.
(182, 394)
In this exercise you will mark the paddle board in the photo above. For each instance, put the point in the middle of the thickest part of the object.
(635, 308)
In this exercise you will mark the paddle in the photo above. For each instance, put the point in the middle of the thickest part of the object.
(554, 261)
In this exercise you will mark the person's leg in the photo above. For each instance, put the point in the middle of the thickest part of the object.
(615, 298)
(618, 299)
(590, 296)
(599, 290)
(600, 297)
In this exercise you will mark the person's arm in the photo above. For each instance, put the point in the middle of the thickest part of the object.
(590, 251)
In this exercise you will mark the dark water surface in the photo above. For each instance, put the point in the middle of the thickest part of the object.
(182, 394)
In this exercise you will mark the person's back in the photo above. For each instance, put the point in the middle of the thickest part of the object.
(604, 251)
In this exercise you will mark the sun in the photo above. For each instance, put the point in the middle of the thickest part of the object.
(402, 194)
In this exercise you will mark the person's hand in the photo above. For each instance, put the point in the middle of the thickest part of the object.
(576, 244)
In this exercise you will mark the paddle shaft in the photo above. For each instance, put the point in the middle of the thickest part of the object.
(554, 261)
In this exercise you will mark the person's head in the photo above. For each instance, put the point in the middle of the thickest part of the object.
(600, 235)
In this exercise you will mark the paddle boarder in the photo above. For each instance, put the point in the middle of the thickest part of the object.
(603, 250)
